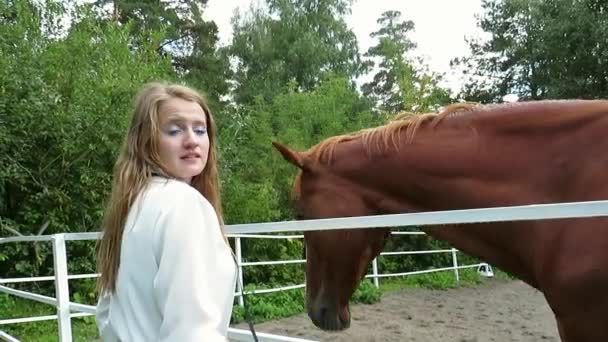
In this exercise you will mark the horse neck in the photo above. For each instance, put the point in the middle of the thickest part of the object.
(417, 179)
(506, 161)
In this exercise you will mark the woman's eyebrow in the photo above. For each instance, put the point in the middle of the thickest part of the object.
(179, 120)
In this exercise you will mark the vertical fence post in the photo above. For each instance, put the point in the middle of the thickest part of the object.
(455, 263)
(6, 337)
(375, 270)
(239, 260)
(62, 290)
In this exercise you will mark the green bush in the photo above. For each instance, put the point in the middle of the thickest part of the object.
(367, 293)
(65, 96)
(268, 306)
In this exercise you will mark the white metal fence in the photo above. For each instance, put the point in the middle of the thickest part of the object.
(64, 306)
(67, 309)
(375, 275)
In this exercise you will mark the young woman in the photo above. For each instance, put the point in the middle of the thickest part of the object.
(167, 272)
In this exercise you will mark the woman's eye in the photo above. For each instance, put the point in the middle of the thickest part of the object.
(173, 131)
(200, 130)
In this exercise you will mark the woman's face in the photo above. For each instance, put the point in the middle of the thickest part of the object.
(183, 142)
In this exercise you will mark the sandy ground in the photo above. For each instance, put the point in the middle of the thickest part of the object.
(494, 311)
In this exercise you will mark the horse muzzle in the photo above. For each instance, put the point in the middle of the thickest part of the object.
(329, 317)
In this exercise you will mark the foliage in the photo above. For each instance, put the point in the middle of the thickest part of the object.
(189, 40)
(366, 293)
(539, 49)
(439, 280)
(268, 306)
(257, 183)
(287, 41)
(83, 329)
(64, 105)
(399, 83)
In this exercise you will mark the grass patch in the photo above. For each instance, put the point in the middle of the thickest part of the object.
(439, 280)
(269, 306)
(83, 329)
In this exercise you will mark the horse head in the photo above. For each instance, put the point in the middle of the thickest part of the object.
(336, 259)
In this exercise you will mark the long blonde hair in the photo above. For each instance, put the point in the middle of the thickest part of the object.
(139, 158)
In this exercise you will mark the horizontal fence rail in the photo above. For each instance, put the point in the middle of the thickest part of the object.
(485, 215)
(432, 270)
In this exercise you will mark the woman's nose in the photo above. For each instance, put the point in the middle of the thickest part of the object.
(191, 138)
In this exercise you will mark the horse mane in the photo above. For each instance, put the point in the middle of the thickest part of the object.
(389, 135)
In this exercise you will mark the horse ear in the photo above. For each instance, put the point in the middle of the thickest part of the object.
(292, 156)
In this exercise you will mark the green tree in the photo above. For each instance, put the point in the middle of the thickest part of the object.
(300, 119)
(190, 40)
(291, 40)
(64, 108)
(399, 84)
(257, 185)
(539, 49)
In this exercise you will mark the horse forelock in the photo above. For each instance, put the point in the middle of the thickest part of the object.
(379, 139)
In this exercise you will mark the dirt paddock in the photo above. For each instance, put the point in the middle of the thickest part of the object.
(493, 311)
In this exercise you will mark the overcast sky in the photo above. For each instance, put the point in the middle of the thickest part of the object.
(440, 26)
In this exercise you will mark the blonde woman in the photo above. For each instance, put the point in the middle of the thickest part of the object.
(167, 272)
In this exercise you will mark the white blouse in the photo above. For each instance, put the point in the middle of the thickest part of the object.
(176, 277)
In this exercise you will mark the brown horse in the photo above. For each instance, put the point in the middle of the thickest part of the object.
(467, 157)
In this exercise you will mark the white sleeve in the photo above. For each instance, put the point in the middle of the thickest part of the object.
(184, 286)
(102, 318)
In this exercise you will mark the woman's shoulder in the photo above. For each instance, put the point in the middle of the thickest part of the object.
(168, 188)
(173, 193)
(176, 205)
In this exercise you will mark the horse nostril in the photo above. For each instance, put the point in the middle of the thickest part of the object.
(323, 314)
